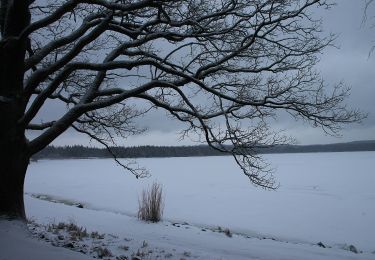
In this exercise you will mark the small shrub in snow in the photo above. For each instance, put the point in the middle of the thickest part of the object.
(351, 248)
(122, 257)
(139, 255)
(102, 252)
(96, 235)
(151, 204)
(227, 232)
(75, 232)
(144, 244)
(61, 225)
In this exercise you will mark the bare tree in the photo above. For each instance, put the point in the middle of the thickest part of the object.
(222, 67)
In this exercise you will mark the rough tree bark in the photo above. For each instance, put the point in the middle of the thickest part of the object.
(14, 155)
(14, 161)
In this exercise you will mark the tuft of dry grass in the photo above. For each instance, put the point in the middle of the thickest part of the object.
(76, 233)
(151, 203)
(102, 252)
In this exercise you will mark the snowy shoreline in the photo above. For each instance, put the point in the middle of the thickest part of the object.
(128, 238)
(325, 200)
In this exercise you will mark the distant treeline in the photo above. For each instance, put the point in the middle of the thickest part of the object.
(78, 151)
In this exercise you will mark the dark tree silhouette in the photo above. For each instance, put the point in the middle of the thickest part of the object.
(222, 67)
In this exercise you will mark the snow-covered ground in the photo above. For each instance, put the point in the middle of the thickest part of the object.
(323, 197)
(16, 243)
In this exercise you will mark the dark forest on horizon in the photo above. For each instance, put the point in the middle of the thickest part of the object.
(79, 151)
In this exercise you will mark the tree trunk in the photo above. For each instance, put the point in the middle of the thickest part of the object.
(14, 152)
(14, 160)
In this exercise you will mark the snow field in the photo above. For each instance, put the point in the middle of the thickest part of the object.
(323, 197)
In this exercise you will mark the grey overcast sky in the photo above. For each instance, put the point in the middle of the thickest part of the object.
(350, 63)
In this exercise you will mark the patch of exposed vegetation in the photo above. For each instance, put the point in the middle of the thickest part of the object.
(151, 203)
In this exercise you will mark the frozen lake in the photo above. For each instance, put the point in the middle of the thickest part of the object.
(328, 197)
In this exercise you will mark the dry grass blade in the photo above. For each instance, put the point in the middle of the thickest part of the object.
(151, 204)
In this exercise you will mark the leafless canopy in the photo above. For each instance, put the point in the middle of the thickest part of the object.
(223, 67)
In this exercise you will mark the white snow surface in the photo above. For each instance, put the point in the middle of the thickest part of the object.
(16, 243)
(323, 197)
